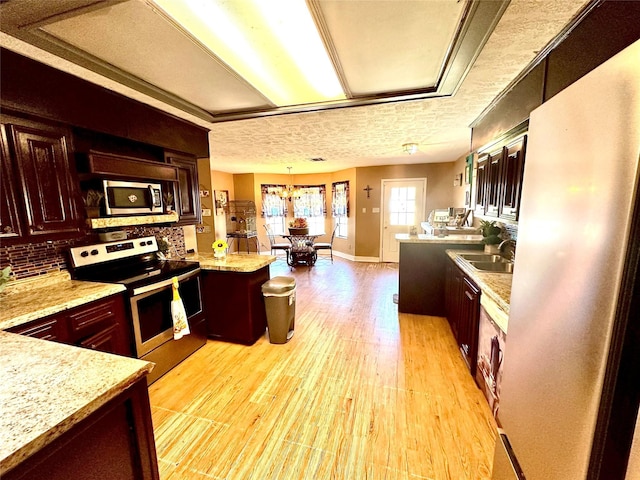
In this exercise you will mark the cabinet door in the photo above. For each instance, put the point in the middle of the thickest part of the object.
(512, 172)
(186, 190)
(45, 175)
(481, 185)
(10, 226)
(469, 318)
(494, 182)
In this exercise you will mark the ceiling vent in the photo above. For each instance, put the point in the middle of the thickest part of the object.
(318, 159)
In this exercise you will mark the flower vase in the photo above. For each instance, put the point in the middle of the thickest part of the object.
(298, 231)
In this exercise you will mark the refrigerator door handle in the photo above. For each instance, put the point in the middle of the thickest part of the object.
(505, 463)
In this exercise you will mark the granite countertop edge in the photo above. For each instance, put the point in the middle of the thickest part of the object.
(32, 418)
(235, 262)
(449, 239)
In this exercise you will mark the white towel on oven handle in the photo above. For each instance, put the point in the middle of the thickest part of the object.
(178, 314)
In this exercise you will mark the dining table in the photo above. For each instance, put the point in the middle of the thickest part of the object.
(302, 251)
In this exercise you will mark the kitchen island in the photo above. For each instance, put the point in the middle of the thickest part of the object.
(68, 410)
(422, 268)
(232, 295)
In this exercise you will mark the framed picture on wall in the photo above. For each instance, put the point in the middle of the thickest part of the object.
(222, 201)
(468, 170)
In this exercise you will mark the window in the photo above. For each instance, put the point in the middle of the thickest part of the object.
(340, 207)
(402, 206)
(310, 203)
(274, 208)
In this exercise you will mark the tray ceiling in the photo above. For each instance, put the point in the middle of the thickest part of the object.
(410, 71)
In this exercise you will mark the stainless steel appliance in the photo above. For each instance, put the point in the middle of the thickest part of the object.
(491, 344)
(132, 198)
(571, 382)
(135, 264)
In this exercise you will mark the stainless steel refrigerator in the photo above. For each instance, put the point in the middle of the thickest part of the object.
(571, 366)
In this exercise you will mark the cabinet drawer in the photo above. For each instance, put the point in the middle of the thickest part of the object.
(92, 319)
(104, 341)
(47, 329)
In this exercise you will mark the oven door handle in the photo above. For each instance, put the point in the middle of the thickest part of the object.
(164, 283)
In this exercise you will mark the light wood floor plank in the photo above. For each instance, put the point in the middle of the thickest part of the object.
(360, 392)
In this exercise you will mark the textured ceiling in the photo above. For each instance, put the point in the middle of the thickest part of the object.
(368, 135)
(373, 135)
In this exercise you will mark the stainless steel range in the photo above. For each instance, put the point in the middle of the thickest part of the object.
(135, 264)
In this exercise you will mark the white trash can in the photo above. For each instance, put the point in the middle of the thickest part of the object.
(280, 303)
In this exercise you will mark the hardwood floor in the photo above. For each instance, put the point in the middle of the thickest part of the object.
(360, 392)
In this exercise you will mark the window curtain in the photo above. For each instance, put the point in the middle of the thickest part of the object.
(310, 201)
(273, 205)
(340, 199)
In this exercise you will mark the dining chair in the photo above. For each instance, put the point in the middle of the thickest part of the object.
(326, 245)
(275, 246)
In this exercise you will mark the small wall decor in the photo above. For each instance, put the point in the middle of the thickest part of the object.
(368, 190)
(468, 169)
(222, 201)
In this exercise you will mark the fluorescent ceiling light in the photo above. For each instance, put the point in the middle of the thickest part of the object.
(274, 45)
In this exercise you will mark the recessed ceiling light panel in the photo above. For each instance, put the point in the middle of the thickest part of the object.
(275, 46)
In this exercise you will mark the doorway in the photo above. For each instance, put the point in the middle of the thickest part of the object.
(403, 204)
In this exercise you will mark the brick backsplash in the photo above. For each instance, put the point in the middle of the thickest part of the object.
(32, 259)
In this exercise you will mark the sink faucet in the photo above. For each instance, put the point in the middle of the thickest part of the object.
(511, 244)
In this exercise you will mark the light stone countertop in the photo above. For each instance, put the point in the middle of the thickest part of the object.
(25, 300)
(48, 387)
(496, 286)
(424, 238)
(235, 262)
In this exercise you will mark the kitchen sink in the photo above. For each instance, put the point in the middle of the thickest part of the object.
(502, 267)
(483, 257)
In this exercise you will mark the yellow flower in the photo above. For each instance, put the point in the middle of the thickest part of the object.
(219, 245)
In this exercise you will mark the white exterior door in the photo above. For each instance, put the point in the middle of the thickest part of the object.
(403, 202)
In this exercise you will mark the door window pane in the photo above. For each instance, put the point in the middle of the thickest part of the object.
(402, 206)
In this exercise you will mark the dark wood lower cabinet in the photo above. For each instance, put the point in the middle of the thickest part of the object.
(234, 304)
(100, 325)
(463, 313)
(115, 442)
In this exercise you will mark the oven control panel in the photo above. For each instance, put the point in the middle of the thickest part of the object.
(103, 252)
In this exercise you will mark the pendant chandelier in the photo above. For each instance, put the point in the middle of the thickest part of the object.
(290, 191)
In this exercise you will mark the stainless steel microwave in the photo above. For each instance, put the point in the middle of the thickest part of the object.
(132, 198)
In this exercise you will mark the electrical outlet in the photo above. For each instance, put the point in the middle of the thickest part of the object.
(206, 212)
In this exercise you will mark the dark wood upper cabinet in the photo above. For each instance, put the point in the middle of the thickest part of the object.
(499, 179)
(494, 182)
(10, 226)
(481, 184)
(186, 191)
(37, 162)
(512, 173)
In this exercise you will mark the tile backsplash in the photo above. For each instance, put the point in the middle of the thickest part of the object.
(32, 259)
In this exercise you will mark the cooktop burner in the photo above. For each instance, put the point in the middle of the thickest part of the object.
(133, 263)
(136, 275)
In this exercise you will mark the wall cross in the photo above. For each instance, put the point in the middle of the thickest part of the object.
(368, 190)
